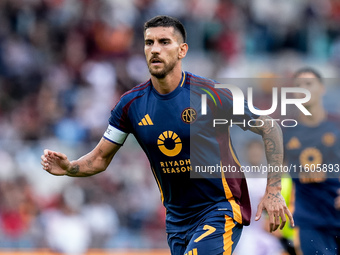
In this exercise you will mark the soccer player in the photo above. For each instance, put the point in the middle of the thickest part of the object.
(203, 215)
(313, 146)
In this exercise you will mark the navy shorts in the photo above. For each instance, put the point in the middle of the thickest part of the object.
(217, 234)
(319, 241)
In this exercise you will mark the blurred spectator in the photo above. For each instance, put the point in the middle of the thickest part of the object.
(67, 231)
(17, 215)
(101, 218)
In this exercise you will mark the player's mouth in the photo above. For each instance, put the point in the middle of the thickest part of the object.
(155, 61)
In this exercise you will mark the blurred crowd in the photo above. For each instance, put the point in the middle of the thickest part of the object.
(64, 65)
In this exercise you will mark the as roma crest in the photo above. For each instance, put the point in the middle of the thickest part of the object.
(189, 115)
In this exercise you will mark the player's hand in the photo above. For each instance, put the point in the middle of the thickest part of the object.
(55, 163)
(276, 207)
(337, 201)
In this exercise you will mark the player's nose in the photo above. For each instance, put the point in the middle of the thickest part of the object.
(156, 49)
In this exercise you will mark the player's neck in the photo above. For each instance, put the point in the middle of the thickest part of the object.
(169, 83)
(318, 115)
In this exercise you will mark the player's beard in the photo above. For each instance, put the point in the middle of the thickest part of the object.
(160, 74)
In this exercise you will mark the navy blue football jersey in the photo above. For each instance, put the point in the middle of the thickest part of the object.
(314, 156)
(176, 138)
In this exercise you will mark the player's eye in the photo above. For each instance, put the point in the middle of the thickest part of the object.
(165, 42)
(148, 43)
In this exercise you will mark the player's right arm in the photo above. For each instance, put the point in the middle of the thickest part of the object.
(94, 162)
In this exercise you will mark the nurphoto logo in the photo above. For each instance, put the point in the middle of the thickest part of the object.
(238, 105)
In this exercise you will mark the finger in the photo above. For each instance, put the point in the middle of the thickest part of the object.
(59, 155)
(259, 212)
(271, 221)
(47, 152)
(276, 219)
(271, 226)
(48, 155)
(46, 166)
(283, 218)
(290, 217)
(52, 154)
(43, 160)
(47, 159)
(277, 222)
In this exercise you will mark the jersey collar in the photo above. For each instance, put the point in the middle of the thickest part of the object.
(172, 93)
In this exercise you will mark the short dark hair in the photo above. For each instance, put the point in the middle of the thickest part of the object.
(166, 21)
(308, 70)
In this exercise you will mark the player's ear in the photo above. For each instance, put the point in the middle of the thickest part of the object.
(183, 49)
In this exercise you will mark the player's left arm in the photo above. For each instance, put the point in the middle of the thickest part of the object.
(272, 201)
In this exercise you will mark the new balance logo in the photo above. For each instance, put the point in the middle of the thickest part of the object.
(146, 121)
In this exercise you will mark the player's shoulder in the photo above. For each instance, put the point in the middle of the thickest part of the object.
(197, 81)
(136, 91)
(199, 84)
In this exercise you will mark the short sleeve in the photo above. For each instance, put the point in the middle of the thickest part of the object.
(119, 124)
